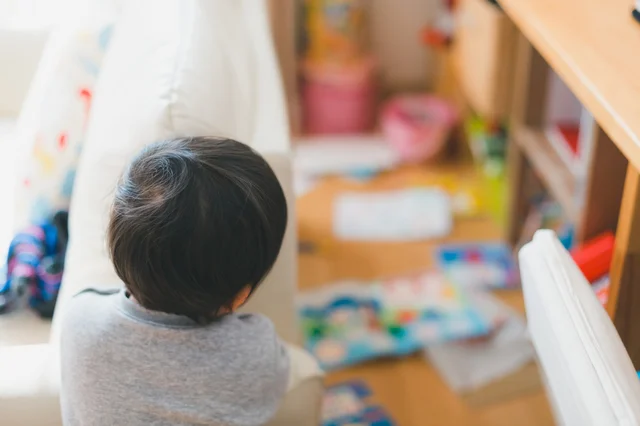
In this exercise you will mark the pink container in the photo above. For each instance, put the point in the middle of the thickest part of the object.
(338, 100)
(418, 126)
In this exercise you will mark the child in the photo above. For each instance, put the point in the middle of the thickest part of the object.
(196, 225)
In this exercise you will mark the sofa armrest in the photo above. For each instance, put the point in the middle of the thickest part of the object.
(589, 375)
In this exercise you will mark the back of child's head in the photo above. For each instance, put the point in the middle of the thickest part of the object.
(195, 222)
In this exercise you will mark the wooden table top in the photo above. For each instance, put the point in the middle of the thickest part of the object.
(594, 45)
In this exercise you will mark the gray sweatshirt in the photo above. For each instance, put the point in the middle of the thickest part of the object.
(125, 365)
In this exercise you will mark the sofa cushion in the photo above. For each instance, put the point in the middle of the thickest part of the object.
(192, 67)
(20, 50)
(52, 123)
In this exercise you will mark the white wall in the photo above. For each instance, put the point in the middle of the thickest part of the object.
(20, 50)
(395, 33)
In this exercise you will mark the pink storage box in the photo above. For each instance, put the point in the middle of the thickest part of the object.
(338, 100)
(418, 126)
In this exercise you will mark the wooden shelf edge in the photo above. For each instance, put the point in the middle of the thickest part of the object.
(549, 168)
(599, 29)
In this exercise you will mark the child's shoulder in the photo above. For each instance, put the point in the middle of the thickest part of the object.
(90, 297)
(89, 291)
(88, 304)
(254, 324)
(248, 332)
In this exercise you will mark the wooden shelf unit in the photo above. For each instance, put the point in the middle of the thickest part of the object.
(587, 201)
(592, 45)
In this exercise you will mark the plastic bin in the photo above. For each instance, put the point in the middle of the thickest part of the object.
(418, 126)
(338, 100)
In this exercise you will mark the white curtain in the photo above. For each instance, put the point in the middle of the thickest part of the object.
(38, 14)
(30, 13)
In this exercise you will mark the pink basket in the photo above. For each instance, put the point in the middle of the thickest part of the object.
(338, 100)
(418, 126)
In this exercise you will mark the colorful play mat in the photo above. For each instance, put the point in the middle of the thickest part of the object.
(351, 322)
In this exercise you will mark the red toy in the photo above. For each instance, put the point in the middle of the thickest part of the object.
(594, 257)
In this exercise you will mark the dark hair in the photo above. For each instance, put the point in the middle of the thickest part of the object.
(195, 221)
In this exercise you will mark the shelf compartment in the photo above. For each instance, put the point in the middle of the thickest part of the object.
(547, 165)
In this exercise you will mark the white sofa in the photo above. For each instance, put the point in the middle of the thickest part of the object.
(190, 67)
(20, 50)
(589, 376)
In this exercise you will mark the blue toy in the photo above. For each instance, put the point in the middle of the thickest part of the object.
(34, 264)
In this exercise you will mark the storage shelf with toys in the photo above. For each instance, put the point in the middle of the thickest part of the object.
(369, 80)
(556, 138)
(593, 57)
(341, 60)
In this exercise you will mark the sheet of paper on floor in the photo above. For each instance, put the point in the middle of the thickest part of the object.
(401, 215)
(470, 364)
(343, 155)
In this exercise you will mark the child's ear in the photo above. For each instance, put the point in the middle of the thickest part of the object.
(242, 297)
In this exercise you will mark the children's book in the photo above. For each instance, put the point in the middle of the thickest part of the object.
(351, 322)
(478, 265)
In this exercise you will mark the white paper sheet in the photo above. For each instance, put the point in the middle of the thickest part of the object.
(331, 155)
(469, 365)
(403, 215)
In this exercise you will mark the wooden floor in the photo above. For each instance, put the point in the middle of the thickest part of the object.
(409, 388)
